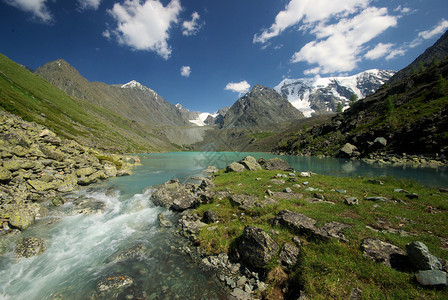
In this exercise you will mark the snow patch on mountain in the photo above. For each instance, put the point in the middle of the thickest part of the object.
(321, 94)
(200, 121)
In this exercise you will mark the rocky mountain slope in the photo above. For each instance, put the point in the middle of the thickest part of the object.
(35, 99)
(259, 108)
(437, 52)
(405, 117)
(132, 100)
(322, 95)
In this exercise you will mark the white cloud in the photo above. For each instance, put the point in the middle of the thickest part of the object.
(239, 87)
(89, 4)
(191, 27)
(145, 26)
(338, 46)
(36, 7)
(404, 10)
(395, 53)
(185, 71)
(437, 30)
(379, 51)
(308, 12)
(342, 28)
(441, 27)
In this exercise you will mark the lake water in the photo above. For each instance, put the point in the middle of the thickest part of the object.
(80, 248)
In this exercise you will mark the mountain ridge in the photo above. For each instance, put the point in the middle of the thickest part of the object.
(321, 95)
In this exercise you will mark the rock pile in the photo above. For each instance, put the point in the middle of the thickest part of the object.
(36, 165)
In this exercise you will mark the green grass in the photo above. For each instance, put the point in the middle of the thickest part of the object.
(331, 269)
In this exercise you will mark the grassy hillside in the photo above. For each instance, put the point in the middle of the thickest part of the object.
(35, 99)
(331, 269)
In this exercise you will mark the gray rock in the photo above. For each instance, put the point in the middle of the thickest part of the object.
(347, 150)
(235, 167)
(163, 221)
(287, 190)
(379, 143)
(256, 247)
(210, 217)
(381, 199)
(289, 255)
(5, 175)
(211, 170)
(340, 191)
(275, 164)
(301, 224)
(421, 258)
(412, 196)
(250, 163)
(239, 294)
(30, 246)
(431, 278)
(175, 196)
(277, 181)
(385, 253)
(351, 201)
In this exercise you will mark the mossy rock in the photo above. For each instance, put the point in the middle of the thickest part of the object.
(83, 172)
(21, 219)
(30, 246)
(5, 175)
(41, 186)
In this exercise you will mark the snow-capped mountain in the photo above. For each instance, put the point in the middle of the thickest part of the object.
(321, 95)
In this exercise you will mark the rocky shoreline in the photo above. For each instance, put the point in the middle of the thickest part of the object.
(37, 168)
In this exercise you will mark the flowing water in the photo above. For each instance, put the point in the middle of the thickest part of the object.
(82, 249)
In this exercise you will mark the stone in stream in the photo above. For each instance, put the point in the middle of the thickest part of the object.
(163, 221)
(30, 246)
(114, 283)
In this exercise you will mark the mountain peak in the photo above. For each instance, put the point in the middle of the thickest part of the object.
(134, 84)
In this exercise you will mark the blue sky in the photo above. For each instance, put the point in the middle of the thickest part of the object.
(206, 53)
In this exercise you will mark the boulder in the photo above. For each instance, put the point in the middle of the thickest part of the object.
(210, 217)
(301, 224)
(30, 246)
(380, 199)
(385, 253)
(275, 164)
(256, 248)
(21, 218)
(250, 163)
(41, 186)
(421, 258)
(211, 170)
(431, 278)
(378, 144)
(175, 196)
(243, 202)
(289, 255)
(110, 170)
(347, 150)
(235, 167)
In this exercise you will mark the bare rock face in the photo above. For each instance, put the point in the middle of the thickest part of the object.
(256, 248)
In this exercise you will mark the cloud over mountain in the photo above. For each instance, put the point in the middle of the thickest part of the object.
(145, 26)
